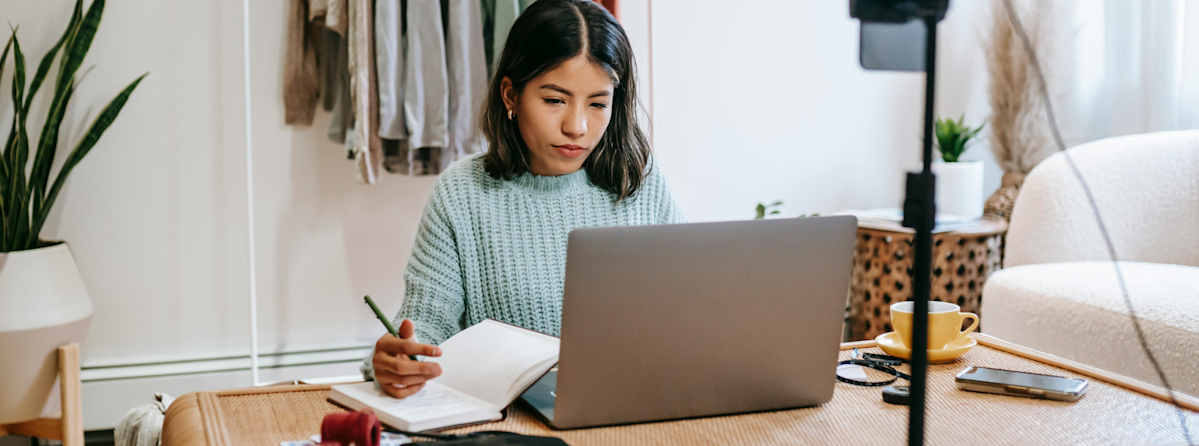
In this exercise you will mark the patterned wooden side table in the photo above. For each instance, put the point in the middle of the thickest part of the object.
(882, 271)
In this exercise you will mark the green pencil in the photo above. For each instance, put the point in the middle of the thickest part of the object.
(390, 329)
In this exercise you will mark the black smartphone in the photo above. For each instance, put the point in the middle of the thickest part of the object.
(892, 46)
(1032, 385)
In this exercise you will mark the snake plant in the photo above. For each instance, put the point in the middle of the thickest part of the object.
(26, 193)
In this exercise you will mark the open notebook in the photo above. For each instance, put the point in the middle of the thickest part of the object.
(484, 368)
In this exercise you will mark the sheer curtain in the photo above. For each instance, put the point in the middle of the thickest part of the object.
(1133, 67)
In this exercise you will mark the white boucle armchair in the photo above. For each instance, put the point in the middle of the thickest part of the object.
(1058, 291)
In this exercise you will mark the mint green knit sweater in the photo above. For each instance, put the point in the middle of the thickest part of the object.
(496, 249)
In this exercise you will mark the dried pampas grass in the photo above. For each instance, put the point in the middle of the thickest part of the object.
(1020, 137)
(1020, 134)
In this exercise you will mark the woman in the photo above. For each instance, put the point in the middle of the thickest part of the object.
(565, 152)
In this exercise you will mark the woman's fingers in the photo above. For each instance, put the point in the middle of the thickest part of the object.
(391, 390)
(385, 362)
(401, 385)
(411, 380)
(390, 344)
(404, 380)
(398, 391)
(416, 348)
(401, 391)
(399, 346)
(403, 366)
(407, 329)
(410, 367)
(405, 392)
(398, 375)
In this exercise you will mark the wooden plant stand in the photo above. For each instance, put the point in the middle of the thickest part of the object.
(68, 426)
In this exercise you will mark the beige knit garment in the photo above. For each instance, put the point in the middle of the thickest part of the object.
(301, 80)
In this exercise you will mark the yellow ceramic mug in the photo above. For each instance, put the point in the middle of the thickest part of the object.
(944, 323)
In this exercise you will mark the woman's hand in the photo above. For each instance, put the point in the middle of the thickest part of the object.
(398, 375)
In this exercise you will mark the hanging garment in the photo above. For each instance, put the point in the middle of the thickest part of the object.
(363, 141)
(335, 84)
(417, 129)
(389, 66)
(465, 63)
(487, 10)
(315, 67)
(498, 17)
(505, 15)
(335, 90)
(317, 9)
(326, 61)
(426, 87)
(398, 158)
(443, 86)
(301, 83)
(336, 12)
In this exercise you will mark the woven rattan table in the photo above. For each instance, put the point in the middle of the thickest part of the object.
(1116, 410)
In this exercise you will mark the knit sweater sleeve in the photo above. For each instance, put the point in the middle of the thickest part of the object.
(433, 291)
(434, 297)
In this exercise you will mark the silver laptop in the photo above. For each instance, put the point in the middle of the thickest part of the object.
(682, 321)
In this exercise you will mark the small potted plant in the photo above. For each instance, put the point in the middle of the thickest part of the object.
(959, 183)
(762, 210)
(43, 302)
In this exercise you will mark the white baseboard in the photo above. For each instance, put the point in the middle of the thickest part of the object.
(112, 390)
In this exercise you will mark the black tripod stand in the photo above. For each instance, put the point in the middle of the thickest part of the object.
(919, 211)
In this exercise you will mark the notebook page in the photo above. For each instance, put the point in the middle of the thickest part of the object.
(491, 358)
(432, 402)
(433, 407)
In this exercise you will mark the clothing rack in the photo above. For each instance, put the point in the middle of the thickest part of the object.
(245, 4)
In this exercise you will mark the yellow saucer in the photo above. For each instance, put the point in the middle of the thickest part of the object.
(891, 344)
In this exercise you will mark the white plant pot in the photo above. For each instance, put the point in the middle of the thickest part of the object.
(959, 188)
(43, 305)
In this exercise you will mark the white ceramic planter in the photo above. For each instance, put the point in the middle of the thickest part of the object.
(959, 188)
(43, 305)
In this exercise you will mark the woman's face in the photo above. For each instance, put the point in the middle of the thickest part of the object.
(562, 114)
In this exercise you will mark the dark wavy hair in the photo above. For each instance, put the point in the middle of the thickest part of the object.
(547, 34)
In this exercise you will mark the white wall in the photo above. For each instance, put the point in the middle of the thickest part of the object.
(753, 101)
(156, 214)
(962, 78)
(765, 100)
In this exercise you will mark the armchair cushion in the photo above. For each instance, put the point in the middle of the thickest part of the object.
(1076, 310)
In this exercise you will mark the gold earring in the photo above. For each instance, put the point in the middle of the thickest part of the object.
(511, 114)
